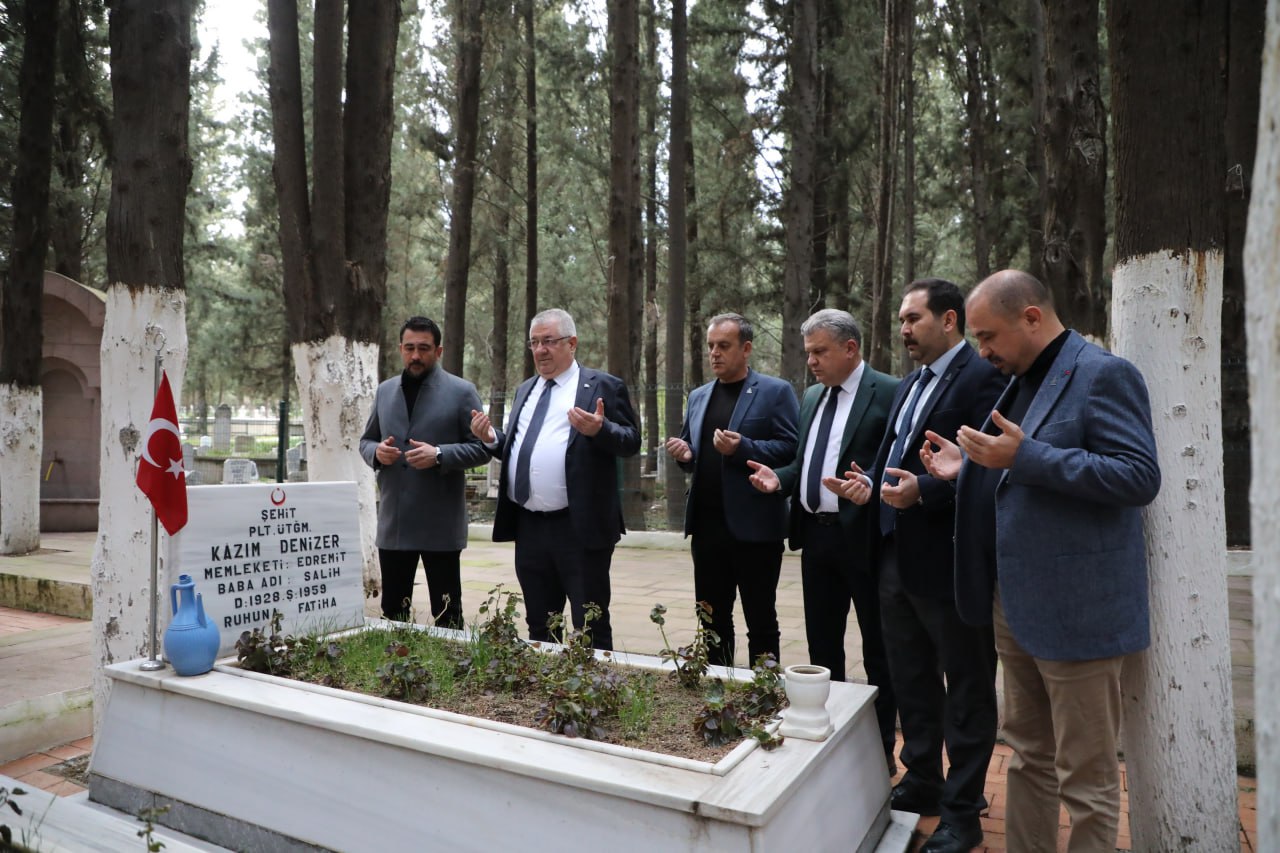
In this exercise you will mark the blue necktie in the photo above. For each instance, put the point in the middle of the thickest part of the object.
(530, 439)
(812, 493)
(887, 513)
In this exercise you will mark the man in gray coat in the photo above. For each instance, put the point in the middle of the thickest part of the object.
(418, 440)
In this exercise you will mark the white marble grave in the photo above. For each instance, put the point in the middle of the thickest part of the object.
(238, 753)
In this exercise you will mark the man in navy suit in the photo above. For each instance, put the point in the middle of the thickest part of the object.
(924, 635)
(558, 494)
(1050, 549)
(737, 531)
(842, 419)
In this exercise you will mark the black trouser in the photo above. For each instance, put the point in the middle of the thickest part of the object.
(723, 567)
(444, 579)
(552, 566)
(834, 574)
(926, 640)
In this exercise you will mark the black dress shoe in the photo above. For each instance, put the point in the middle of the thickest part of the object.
(949, 838)
(907, 798)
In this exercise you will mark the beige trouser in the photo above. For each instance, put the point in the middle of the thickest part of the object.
(1062, 721)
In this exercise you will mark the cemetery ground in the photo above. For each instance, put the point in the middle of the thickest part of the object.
(45, 657)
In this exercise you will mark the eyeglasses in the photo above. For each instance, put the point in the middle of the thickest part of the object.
(534, 343)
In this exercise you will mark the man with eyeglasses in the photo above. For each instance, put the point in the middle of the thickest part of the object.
(558, 494)
(418, 439)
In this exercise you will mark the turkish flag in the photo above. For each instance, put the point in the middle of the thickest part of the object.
(160, 473)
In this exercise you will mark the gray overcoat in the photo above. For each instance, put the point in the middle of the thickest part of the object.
(424, 510)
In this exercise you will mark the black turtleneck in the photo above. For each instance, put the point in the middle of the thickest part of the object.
(410, 385)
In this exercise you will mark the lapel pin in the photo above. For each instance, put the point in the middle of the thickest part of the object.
(749, 390)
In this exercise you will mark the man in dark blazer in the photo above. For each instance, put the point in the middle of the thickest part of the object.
(558, 493)
(418, 439)
(924, 635)
(1050, 549)
(737, 531)
(842, 419)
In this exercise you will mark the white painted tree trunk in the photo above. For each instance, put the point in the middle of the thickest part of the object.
(21, 443)
(1262, 295)
(337, 379)
(137, 325)
(1179, 735)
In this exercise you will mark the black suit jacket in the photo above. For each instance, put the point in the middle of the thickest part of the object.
(924, 532)
(862, 433)
(590, 463)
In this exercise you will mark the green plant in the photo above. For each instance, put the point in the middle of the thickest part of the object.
(148, 816)
(692, 661)
(496, 655)
(636, 705)
(763, 695)
(405, 676)
(6, 799)
(273, 653)
(718, 722)
(743, 709)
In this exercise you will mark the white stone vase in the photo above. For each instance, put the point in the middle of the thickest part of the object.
(808, 686)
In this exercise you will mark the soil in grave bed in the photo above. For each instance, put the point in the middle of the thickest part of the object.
(507, 680)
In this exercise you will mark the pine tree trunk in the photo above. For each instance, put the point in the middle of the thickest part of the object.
(652, 77)
(469, 38)
(677, 243)
(1262, 274)
(625, 255)
(504, 161)
(1074, 134)
(21, 424)
(1245, 36)
(145, 305)
(877, 348)
(1167, 299)
(801, 120)
(531, 179)
(334, 276)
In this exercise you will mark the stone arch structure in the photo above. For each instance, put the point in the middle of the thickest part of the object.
(71, 385)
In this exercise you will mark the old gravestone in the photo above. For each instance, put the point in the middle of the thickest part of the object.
(222, 429)
(245, 443)
(236, 471)
(293, 548)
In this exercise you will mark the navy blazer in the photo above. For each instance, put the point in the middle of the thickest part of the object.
(923, 533)
(1070, 547)
(862, 433)
(765, 415)
(590, 463)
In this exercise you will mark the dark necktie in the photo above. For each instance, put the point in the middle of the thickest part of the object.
(887, 515)
(530, 439)
(813, 483)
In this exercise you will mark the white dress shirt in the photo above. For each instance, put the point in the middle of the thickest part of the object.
(830, 455)
(548, 487)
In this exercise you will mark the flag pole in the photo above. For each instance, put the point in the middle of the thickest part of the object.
(153, 663)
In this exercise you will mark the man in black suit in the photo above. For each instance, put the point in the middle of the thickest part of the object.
(737, 531)
(558, 494)
(923, 632)
(842, 420)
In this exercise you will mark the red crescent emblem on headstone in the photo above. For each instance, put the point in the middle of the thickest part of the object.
(276, 501)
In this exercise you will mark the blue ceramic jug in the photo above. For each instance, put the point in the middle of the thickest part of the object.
(191, 641)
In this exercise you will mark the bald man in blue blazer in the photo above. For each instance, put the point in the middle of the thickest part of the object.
(1050, 548)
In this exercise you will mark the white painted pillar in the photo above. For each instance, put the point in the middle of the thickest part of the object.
(337, 379)
(21, 445)
(1179, 733)
(138, 322)
(1262, 325)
